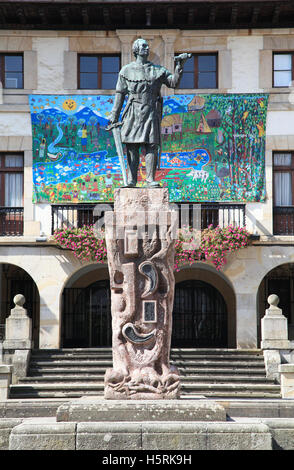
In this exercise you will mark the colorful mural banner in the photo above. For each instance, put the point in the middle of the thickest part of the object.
(213, 148)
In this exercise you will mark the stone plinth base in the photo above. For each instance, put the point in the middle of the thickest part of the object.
(287, 380)
(138, 411)
(5, 381)
(17, 344)
(275, 344)
(6, 426)
(141, 436)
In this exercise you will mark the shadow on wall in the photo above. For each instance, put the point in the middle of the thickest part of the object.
(15, 280)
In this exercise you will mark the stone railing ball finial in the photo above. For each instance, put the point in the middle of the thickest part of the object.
(19, 300)
(273, 300)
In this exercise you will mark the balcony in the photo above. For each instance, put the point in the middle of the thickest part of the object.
(11, 221)
(283, 220)
(215, 214)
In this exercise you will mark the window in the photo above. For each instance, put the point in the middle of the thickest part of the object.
(98, 71)
(11, 70)
(283, 184)
(11, 194)
(11, 180)
(283, 178)
(200, 71)
(283, 70)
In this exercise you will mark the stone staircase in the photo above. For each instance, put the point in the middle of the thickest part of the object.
(213, 373)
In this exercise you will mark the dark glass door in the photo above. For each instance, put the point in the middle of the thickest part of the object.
(199, 316)
(87, 316)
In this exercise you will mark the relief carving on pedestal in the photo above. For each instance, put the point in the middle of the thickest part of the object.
(142, 287)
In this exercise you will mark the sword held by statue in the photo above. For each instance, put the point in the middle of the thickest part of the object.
(115, 128)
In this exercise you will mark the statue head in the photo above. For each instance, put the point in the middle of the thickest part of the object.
(140, 47)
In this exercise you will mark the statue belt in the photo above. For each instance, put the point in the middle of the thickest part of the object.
(143, 98)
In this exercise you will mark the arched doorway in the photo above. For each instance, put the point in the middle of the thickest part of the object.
(86, 316)
(279, 281)
(15, 280)
(200, 318)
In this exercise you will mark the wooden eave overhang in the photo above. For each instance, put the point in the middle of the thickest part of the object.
(134, 14)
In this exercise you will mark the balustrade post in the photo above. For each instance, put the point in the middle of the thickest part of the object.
(274, 337)
(274, 326)
(18, 338)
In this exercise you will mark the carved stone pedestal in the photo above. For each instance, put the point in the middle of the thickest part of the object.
(140, 246)
(18, 327)
(274, 326)
(121, 411)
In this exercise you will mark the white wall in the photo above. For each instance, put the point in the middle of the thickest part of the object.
(245, 63)
(50, 53)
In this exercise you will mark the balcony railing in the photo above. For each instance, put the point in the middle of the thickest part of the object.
(78, 215)
(283, 220)
(215, 214)
(11, 221)
(73, 215)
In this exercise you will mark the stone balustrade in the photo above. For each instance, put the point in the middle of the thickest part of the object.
(17, 344)
(277, 349)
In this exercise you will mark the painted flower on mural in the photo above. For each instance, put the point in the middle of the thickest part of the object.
(213, 244)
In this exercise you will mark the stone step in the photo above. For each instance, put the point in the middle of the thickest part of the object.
(33, 372)
(56, 390)
(100, 371)
(221, 362)
(62, 378)
(221, 370)
(232, 394)
(77, 393)
(71, 357)
(72, 351)
(235, 407)
(199, 386)
(176, 357)
(173, 350)
(216, 378)
(72, 373)
(29, 394)
(182, 364)
(70, 364)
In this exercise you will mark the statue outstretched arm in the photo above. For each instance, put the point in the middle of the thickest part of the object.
(173, 80)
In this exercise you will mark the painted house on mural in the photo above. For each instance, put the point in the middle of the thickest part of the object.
(228, 145)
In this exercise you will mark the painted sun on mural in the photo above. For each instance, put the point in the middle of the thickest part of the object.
(213, 148)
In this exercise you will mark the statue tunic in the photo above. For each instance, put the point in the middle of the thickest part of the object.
(142, 115)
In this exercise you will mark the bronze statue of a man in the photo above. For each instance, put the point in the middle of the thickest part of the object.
(141, 80)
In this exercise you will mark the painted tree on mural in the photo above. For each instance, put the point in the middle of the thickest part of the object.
(244, 130)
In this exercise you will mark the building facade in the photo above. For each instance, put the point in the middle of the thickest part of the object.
(250, 51)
